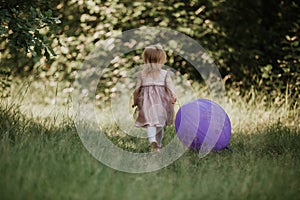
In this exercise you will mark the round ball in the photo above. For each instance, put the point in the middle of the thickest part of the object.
(203, 124)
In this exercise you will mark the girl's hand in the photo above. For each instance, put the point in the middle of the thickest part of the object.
(174, 100)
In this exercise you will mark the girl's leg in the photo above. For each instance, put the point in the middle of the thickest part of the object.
(151, 131)
(159, 135)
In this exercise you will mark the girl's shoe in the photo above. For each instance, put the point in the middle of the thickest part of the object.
(154, 147)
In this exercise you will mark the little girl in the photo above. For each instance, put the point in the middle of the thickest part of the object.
(154, 96)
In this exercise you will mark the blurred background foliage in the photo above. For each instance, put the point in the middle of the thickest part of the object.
(255, 44)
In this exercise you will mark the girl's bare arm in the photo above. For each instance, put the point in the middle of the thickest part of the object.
(171, 87)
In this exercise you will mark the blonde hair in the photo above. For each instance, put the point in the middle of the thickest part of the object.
(154, 57)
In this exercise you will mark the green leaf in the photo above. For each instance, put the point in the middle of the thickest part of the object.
(48, 13)
(295, 43)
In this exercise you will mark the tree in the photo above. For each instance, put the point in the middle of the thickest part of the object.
(25, 27)
(25, 36)
(254, 43)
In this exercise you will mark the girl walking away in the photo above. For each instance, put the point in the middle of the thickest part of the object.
(154, 96)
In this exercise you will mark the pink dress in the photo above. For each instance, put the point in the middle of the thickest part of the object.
(154, 100)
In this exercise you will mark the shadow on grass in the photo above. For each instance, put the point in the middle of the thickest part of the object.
(274, 140)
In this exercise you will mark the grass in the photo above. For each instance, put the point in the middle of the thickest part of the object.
(42, 157)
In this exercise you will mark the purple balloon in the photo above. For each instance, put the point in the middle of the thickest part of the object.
(203, 125)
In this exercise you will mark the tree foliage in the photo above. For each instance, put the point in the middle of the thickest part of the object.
(254, 43)
(24, 26)
(25, 35)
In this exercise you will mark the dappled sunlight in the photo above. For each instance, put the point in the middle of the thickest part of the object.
(39, 101)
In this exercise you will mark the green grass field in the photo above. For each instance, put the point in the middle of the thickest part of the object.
(43, 158)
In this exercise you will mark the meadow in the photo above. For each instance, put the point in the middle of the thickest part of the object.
(42, 156)
(255, 45)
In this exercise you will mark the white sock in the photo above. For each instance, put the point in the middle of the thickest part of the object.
(151, 130)
(159, 135)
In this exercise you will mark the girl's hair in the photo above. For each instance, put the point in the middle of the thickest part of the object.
(154, 57)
